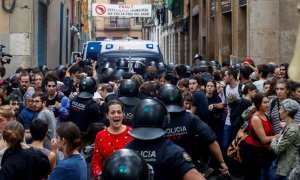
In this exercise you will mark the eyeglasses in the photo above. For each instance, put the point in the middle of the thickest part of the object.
(36, 101)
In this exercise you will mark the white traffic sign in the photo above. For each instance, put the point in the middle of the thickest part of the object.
(125, 10)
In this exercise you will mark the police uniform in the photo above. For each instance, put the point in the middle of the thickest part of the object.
(83, 109)
(168, 160)
(128, 92)
(84, 112)
(189, 132)
(128, 103)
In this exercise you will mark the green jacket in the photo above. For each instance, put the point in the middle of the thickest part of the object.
(286, 147)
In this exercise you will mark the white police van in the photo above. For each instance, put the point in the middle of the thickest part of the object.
(130, 54)
(90, 50)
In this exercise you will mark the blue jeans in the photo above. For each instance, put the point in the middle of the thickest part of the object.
(227, 138)
(272, 172)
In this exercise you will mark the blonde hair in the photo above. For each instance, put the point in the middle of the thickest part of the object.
(7, 112)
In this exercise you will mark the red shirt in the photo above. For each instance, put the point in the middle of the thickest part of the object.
(253, 139)
(105, 144)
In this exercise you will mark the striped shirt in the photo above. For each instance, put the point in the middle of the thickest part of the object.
(275, 119)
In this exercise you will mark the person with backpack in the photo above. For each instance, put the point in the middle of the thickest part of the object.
(233, 91)
(255, 154)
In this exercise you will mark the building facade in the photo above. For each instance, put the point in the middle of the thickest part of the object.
(117, 27)
(43, 32)
(264, 30)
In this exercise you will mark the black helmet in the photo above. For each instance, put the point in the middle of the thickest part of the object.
(161, 67)
(122, 64)
(188, 69)
(204, 64)
(87, 87)
(108, 71)
(125, 164)
(43, 69)
(197, 57)
(215, 65)
(128, 88)
(119, 74)
(60, 71)
(171, 96)
(170, 67)
(149, 117)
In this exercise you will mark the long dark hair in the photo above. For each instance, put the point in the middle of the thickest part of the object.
(258, 99)
(71, 133)
(215, 84)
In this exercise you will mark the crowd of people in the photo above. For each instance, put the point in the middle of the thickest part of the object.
(171, 122)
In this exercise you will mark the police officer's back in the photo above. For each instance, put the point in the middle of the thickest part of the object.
(186, 129)
(168, 160)
(84, 110)
(128, 92)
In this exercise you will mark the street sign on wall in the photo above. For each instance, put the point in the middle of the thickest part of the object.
(127, 10)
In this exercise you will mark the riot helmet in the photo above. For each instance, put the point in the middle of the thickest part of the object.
(215, 65)
(60, 71)
(171, 96)
(119, 74)
(128, 88)
(188, 69)
(87, 87)
(108, 71)
(161, 67)
(122, 64)
(125, 164)
(204, 64)
(170, 67)
(197, 57)
(43, 69)
(149, 117)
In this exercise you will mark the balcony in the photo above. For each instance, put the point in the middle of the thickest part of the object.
(117, 24)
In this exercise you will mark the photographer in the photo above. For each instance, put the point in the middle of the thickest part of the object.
(71, 73)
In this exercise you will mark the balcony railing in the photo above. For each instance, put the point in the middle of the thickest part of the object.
(117, 23)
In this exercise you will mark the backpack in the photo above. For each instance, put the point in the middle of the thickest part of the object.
(240, 86)
(234, 149)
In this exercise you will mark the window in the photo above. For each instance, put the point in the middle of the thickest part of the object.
(177, 8)
(138, 21)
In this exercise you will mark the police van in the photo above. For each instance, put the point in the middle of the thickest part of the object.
(128, 54)
(90, 50)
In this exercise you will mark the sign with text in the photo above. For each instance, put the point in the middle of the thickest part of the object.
(126, 10)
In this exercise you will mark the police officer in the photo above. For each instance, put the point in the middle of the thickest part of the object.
(186, 129)
(84, 110)
(125, 164)
(168, 160)
(128, 92)
(197, 58)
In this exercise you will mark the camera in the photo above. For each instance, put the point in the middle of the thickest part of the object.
(88, 62)
(4, 57)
